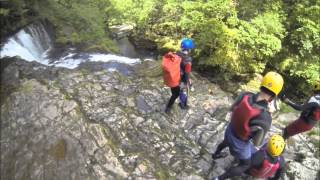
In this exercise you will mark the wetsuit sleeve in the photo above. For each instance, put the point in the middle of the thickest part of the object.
(295, 106)
(258, 135)
(257, 160)
(259, 127)
(280, 172)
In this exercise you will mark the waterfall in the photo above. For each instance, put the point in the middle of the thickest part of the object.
(30, 43)
(33, 44)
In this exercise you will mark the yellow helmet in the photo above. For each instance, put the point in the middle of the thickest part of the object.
(275, 145)
(316, 85)
(273, 82)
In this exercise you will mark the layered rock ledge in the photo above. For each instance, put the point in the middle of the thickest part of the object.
(95, 124)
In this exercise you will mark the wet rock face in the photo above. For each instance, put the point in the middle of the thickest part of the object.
(80, 124)
(141, 43)
(120, 31)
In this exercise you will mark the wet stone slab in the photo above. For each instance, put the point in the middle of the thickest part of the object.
(103, 125)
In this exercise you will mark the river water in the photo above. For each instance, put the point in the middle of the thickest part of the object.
(34, 43)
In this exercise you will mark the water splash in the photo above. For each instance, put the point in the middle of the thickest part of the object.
(73, 60)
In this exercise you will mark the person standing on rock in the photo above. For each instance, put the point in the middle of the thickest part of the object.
(250, 121)
(309, 116)
(183, 77)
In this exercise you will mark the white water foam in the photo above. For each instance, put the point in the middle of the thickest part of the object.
(34, 43)
(111, 57)
(70, 62)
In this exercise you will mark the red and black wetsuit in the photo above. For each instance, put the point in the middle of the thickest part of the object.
(309, 116)
(261, 160)
(237, 136)
(260, 118)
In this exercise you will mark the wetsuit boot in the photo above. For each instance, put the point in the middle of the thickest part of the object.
(167, 110)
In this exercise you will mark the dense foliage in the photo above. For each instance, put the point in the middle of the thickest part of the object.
(237, 37)
(234, 36)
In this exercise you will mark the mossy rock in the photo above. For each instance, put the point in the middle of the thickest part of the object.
(28, 86)
(162, 174)
(58, 150)
(150, 69)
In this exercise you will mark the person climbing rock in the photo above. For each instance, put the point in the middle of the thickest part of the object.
(309, 116)
(268, 162)
(182, 79)
(250, 121)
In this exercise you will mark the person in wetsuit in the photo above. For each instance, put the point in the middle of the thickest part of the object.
(309, 116)
(268, 162)
(250, 121)
(185, 69)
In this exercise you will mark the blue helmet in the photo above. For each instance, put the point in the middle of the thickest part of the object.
(187, 43)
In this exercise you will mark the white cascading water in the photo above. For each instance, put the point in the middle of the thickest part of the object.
(33, 42)
(30, 43)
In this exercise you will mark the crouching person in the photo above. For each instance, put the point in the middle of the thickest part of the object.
(268, 162)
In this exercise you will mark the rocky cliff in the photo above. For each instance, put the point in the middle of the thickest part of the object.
(90, 123)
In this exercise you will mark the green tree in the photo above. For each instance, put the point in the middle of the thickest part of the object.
(299, 58)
